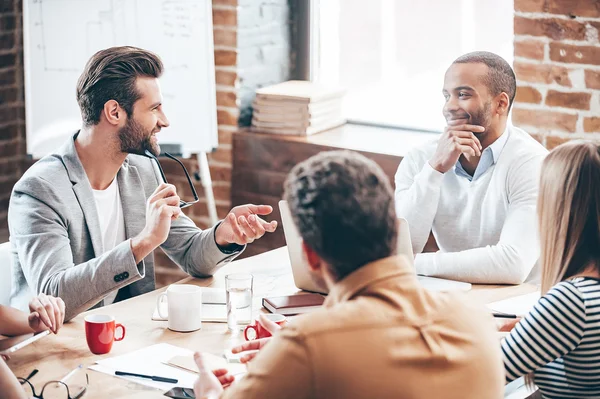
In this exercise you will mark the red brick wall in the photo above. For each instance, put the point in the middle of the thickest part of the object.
(12, 112)
(557, 63)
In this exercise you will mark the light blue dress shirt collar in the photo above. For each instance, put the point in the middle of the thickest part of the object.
(489, 156)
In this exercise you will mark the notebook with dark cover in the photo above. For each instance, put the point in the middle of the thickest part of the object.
(293, 304)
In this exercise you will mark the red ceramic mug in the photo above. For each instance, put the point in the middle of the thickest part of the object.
(100, 333)
(259, 330)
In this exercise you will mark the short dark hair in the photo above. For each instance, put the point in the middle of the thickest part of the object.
(343, 205)
(500, 78)
(110, 75)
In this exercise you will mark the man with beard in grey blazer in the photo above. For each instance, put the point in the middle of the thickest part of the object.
(85, 220)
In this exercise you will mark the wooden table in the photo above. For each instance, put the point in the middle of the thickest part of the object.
(55, 356)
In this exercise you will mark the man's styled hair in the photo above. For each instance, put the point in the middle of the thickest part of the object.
(343, 205)
(110, 75)
(500, 78)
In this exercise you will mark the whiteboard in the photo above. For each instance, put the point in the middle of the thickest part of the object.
(61, 35)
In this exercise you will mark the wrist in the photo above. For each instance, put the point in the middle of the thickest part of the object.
(141, 246)
(435, 165)
(219, 239)
(225, 246)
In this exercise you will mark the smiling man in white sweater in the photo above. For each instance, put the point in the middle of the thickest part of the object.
(476, 187)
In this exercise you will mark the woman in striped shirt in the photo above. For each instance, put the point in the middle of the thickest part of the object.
(557, 345)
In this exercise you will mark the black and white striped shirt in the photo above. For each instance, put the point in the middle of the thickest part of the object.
(559, 341)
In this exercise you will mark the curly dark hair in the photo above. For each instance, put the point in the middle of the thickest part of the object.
(343, 205)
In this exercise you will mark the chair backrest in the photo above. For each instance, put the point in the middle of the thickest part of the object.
(5, 273)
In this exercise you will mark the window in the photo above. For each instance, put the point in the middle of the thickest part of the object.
(391, 55)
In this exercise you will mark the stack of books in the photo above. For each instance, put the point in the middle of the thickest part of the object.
(298, 108)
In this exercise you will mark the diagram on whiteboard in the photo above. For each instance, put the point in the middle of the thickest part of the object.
(61, 36)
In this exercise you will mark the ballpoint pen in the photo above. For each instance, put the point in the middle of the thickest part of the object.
(504, 315)
(151, 377)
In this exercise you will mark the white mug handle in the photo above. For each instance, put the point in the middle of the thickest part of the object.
(158, 302)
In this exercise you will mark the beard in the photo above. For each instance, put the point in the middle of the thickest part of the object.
(482, 117)
(135, 140)
(479, 117)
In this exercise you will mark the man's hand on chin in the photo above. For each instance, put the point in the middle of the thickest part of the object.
(243, 225)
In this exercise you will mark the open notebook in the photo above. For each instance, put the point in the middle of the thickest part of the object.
(519, 305)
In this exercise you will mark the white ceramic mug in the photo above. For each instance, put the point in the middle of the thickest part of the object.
(184, 302)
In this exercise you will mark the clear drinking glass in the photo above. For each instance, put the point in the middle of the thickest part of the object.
(239, 300)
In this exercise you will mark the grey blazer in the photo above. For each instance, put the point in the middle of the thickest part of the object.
(57, 244)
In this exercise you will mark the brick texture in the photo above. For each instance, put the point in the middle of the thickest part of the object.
(225, 37)
(555, 121)
(533, 49)
(527, 94)
(554, 141)
(575, 54)
(224, 17)
(578, 8)
(571, 8)
(227, 98)
(225, 58)
(557, 54)
(12, 117)
(554, 28)
(568, 100)
(542, 73)
(591, 124)
(225, 78)
(592, 79)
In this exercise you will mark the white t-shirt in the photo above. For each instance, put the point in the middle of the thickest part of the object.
(112, 224)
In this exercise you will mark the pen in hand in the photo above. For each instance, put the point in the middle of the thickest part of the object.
(152, 377)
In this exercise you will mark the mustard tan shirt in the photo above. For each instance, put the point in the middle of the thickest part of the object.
(380, 335)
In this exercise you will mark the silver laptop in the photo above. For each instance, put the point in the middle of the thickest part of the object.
(300, 268)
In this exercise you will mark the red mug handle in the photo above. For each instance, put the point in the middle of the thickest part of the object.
(122, 332)
(252, 326)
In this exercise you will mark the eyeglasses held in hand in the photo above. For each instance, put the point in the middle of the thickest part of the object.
(181, 393)
(182, 203)
(73, 386)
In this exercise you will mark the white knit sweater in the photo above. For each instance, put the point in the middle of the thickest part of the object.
(486, 229)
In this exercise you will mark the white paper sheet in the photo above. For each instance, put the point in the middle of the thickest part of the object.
(519, 305)
(150, 361)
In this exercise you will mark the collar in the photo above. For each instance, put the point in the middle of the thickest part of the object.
(73, 164)
(497, 146)
(489, 157)
(360, 280)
